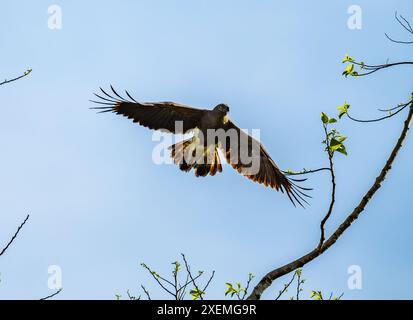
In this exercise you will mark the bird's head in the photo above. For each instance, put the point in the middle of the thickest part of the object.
(222, 107)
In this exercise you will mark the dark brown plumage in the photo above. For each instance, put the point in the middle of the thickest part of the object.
(199, 153)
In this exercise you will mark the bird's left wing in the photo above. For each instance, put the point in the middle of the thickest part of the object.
(166, 116)
(249, 157)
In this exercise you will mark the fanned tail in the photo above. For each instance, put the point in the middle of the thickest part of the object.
(190, 155)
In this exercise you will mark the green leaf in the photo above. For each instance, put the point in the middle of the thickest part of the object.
(335, 144)
(348, 70)
(316, 295)
(177, 266)
(324, 118)
(347, 58)
(332, 120)
(229, 289)
(196, 293)
(342, 150)
(343, 110)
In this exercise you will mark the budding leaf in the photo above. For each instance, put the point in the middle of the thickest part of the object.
(348, 70)
(341, 138)
(324, 118)
(229, 289)
(196, 294)
(342, 150)
(347, 58)
(335, 144)
(342, 110)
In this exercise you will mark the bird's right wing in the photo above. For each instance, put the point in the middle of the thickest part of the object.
(154, 115)
(249, 157)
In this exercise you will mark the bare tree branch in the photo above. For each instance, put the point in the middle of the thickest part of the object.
(299, 283)
(157, 278)
(52, 295)
(268, 279)
(333, 189)
(250, 277)
(146, 292)
(374, 68)
(397, 41)
(286, 286)
(188, 269)
(405, 24)
(305, 171)
(399, 109)
(14, 236)
(178, 289)
(131, 297)
(209, 281)
(25, 74)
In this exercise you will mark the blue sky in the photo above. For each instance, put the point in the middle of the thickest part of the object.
(99, 206)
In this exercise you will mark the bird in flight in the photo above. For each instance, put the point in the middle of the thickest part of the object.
(244, 153)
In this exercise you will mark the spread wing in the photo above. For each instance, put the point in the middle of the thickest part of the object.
(153, 115)
(249, 158)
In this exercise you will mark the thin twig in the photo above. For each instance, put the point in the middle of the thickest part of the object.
(146, 292)
(182, 289)
(382, 66)
(131, 297)
(298, 285)
(378, 119)
(333, 189)
(157, 278)
(188, 269)
(409, 27)
(340, 296)
(250, 277)
(395, 108)
(289, 173)
(175, 275)
(286, 286)
(375, 68)
(209, 281)
(397, 41)
(187, 282)
(52, 295)
(406, 25)
(14, 236)
(25, 74)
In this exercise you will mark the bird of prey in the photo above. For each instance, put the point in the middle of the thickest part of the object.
(201, 154)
